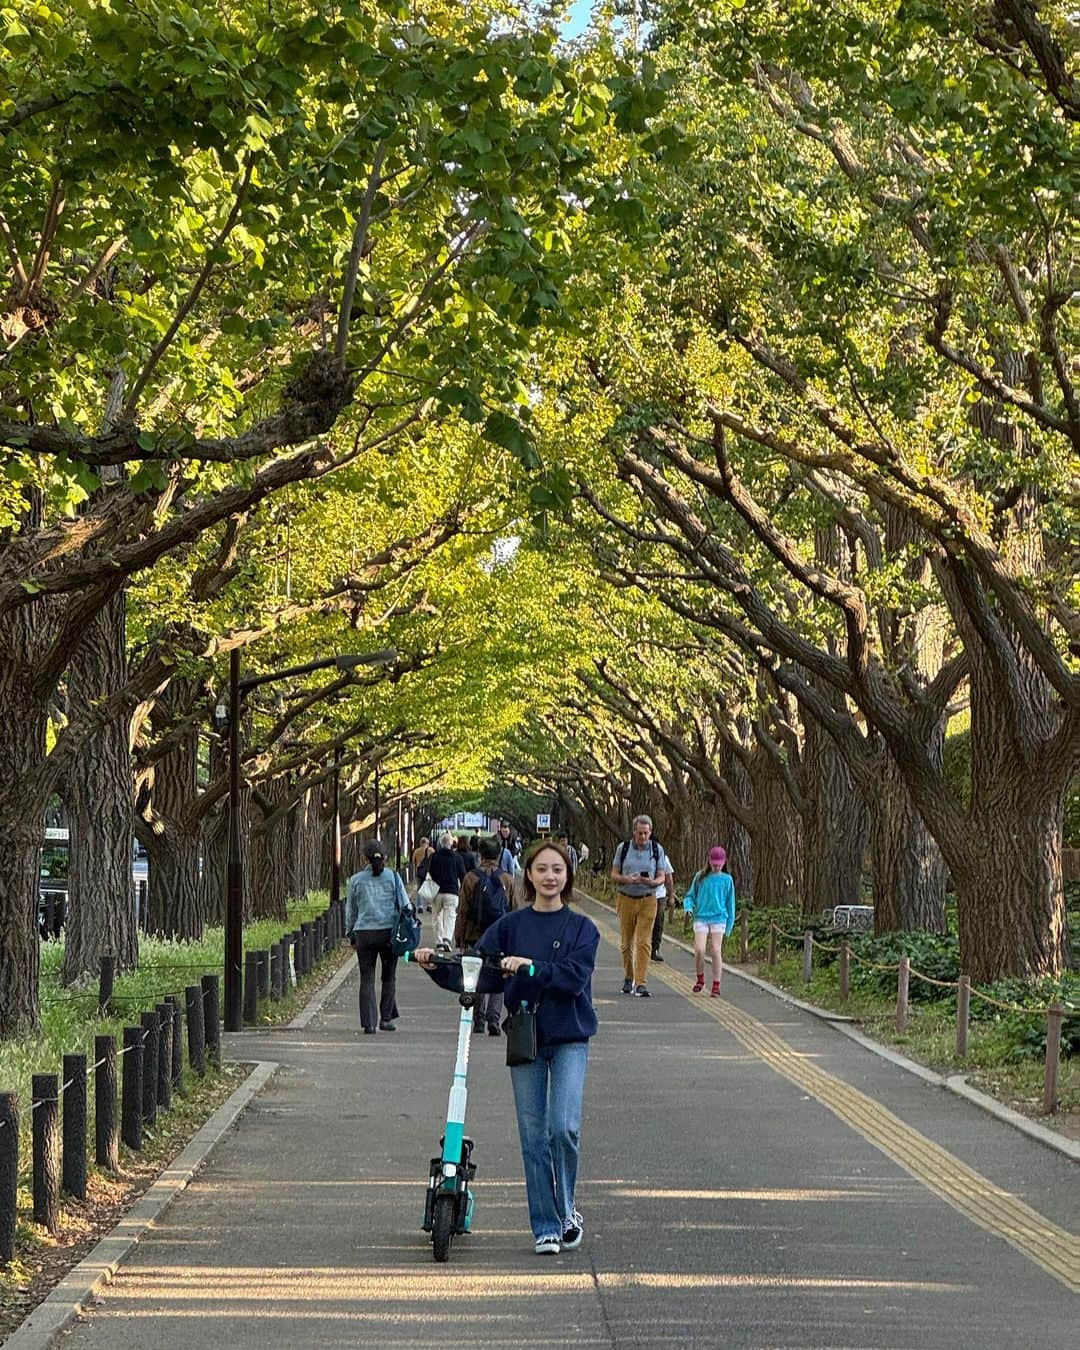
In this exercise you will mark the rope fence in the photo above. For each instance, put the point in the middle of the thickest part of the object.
(132, 1083)
(1053, 1013)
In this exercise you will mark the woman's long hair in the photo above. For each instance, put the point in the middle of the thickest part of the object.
(534, 850)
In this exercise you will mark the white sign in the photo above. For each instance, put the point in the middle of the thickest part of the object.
(471, 820)
(543, 822)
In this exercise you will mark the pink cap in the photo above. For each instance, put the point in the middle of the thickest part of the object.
(717, 855)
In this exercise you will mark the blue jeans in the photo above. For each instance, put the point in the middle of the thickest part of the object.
(547, 1097)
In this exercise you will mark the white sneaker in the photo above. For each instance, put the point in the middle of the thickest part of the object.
(573, 1231)
(547, 1246)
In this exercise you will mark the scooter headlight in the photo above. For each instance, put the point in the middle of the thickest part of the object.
(470, 973)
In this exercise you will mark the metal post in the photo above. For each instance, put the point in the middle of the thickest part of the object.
(74, 1165)
(807, 956)
(234, 876)
(744, 936)
(196, 1035)
(164, 1065)
(251, 987)
(106, 976)
(212, 1019)
(378, 783)
(963, 1015)
(903, 980)
(106, 1125)
(46, 1145)
(845, 971)
(149, 1022)
(1054, 1016)
(131, 1107)
(9, 1173)
(335, 832)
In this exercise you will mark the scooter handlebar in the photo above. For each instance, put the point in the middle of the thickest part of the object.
(492, 961)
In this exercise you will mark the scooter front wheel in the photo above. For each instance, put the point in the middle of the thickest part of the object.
(442, 1226)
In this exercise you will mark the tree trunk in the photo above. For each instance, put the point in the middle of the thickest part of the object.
(99, 796)
(271, 850)
(908, 869)
(175, 905)
(777, 843)
(22, 744)
(835, 825)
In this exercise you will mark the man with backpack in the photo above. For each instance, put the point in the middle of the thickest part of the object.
(639, 869)
(486, 895)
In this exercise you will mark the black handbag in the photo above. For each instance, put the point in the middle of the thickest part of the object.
(405, 934)
(520, 1023)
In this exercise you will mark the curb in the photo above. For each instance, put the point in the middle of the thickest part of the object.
(55, 1313)
(955, 1083)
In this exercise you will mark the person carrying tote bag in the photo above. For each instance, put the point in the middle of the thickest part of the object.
(560, 946)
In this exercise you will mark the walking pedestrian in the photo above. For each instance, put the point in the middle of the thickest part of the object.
(487, 893)
(372, 901)
(420, 854)
(639, 869)
(447, 867)
(560, 946)
(711, 902)
(571, 851)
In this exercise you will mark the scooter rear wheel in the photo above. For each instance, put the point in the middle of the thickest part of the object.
(442, 1226)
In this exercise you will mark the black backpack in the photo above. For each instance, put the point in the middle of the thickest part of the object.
(490, 901)
(620, 857)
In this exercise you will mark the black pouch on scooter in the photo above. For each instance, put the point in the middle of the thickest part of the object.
(520, 1027)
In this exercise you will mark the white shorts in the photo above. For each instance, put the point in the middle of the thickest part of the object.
(700, 927)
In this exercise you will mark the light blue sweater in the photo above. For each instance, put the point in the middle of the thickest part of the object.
(711, 899)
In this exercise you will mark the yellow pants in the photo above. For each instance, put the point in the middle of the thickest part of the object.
(636, 919)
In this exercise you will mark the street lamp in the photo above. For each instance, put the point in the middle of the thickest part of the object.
(227, 720)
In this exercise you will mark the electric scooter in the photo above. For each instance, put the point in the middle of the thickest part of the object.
(449, 1201)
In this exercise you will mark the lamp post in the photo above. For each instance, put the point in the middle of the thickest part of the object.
(227, 718)
(378, 783)
(335, 838)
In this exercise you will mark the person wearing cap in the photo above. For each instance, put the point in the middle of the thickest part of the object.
(711, 902)
(372, 900)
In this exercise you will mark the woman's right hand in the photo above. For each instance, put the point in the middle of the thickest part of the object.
(422, 956)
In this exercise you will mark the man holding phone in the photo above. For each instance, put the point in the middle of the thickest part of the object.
(640, 869)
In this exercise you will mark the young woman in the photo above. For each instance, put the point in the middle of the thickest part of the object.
(711, 901)
(560, 945)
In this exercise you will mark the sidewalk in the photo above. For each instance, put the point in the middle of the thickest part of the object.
(749, 1178)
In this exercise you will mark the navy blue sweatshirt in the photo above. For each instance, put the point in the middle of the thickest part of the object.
(562, 982)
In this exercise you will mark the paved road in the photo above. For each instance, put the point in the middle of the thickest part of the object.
(750, 1178)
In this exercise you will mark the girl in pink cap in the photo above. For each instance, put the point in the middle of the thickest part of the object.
(711, 901)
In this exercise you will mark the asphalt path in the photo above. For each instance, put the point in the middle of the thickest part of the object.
(749, 1178)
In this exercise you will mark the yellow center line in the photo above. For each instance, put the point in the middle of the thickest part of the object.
(996, 1210)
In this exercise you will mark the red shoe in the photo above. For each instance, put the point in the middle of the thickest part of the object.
(715, 989)
(700, 984)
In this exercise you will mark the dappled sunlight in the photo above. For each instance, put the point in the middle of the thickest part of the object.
(228, 1286)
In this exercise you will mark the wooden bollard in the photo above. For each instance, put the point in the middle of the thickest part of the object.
(211, 991)
(1055, 1015)
(744, 936)
(845, 971)
(275, 971)
(196, 1034)
(150, 1028)
(143, 918)
(963, 1015)
(772, 944)
(264, 975)
(807, 956)
(106, 1125)
(46, 1144)
(251, 987)
(164, 1066)
(106, 976)
(9, 1173)
(903, 980)
(131, 1109)
(74, 1126)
